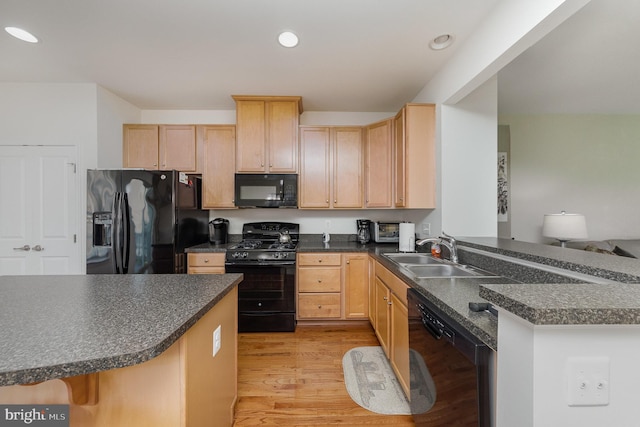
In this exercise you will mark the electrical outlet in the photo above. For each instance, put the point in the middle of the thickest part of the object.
(588, 381)
(327, 224)
(217, 339)
(426, 228)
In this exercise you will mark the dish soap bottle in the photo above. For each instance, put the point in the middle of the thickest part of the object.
(435, 250)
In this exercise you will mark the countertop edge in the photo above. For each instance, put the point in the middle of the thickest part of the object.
(44, 373)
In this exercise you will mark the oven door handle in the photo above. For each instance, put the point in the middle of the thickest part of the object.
(436, 333)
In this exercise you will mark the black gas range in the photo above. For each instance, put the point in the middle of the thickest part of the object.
(267, 257)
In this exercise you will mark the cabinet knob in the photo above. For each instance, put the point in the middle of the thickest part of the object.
(206, 260)
(384, 298)
(389, 303)
(319, 280)
(319, 306)
(348, 261)
(319, 260)
(335, 200)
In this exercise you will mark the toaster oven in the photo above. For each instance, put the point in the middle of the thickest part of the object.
(385, 232)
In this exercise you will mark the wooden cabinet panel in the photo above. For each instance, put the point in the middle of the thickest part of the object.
(399, 354)
(383, 327)
(140, 146)
(267, 133)
(218, 166)
(414, 144)
(378, 165)
(392, 322)
(205, 263)
(331, 162)
(319, 305)
(347, 167)
(315, 157)
(319, 279)
(160, 147)
(178, 148)
(282, 122)
(356, 286)
(251, 136)
(319, 258)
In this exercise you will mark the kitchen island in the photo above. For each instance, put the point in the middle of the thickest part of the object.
(129, 349)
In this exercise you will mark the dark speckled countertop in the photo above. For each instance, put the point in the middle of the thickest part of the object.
(525, 288)
(61, 326)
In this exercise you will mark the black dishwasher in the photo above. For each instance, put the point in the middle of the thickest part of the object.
(449, 369)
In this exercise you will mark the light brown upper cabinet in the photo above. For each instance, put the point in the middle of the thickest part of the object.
(218, 165)
(379, 164)
(160, 147)
(331, 162)
(267, 133)
(414, 144)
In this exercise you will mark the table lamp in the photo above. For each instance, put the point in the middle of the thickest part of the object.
(564, 227)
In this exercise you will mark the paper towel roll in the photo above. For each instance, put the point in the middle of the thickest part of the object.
(407, 238)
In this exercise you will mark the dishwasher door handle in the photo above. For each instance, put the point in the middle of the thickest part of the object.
(436, 333)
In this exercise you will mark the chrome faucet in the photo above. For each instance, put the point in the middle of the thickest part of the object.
(445, 240)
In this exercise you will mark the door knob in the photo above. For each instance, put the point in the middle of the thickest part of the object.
(24, 248)
(38, 248)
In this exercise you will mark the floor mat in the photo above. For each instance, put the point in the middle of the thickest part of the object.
(372, 384)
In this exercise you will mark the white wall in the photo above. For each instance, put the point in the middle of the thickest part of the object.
(578, 163)
(113, 112)
(533, 373)
(469, 169)
(50, 114)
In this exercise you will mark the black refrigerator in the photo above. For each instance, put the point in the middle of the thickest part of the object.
(140, 222)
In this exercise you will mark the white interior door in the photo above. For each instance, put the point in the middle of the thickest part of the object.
(38, 210)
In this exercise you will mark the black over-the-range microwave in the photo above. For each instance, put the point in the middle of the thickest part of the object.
(266, 190)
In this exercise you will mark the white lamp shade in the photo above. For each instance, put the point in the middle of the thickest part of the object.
(564, 226)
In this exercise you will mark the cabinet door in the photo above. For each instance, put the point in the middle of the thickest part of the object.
(399, 356)
(347, 167)
(140, 146)
(314, 167)
(372, 292)
(356, 286)
(218, 174)
(418, 176)
(382, 315)
(178, 148)
(378, 165)
(282, 125)
(250, 133)
(399, 151)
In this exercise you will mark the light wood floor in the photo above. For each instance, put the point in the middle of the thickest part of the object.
(296, 379)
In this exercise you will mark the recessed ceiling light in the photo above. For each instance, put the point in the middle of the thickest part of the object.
(21, 34)
(443, 41)
(288, 39)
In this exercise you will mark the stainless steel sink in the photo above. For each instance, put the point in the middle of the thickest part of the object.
(424, 266)
(445, 270)
(412, 258)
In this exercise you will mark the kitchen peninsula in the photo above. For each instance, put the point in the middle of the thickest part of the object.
(120, 343)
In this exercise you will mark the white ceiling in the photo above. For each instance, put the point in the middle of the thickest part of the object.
(354, 55)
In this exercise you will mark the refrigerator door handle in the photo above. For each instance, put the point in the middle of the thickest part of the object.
(117, 227)
(126, 224)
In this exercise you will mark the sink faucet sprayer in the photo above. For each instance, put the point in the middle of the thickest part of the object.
(447, 241)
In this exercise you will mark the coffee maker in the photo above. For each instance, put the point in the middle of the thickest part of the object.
(363, 234)
(218, 231)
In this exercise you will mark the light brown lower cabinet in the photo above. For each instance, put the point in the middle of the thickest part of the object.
(183, 386)
(205, 263)
(332, 286)
(392, 322)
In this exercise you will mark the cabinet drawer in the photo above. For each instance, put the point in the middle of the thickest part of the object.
(319, 258)
(209, 259)
(319, 305)
(319, 279)
(397, 286)
(206, 270)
